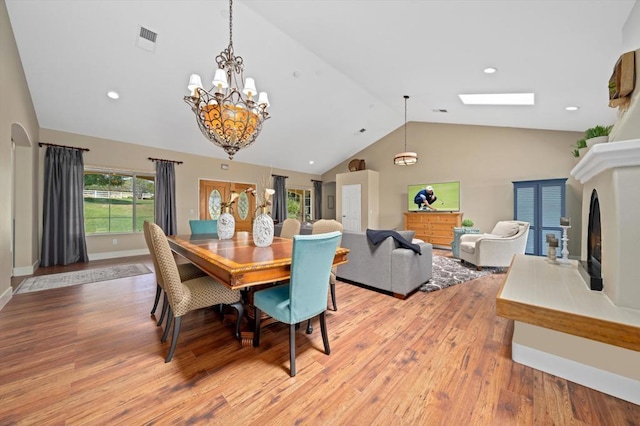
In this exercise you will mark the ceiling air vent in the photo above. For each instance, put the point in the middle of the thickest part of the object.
(147, 39)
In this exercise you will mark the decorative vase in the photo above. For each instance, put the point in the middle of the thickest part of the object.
(226, 225)
(263, 229)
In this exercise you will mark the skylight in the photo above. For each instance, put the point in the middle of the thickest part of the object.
(498, 99)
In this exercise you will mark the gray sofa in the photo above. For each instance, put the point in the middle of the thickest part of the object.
(385, 267)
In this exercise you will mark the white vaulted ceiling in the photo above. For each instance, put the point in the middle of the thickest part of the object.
(331, 68)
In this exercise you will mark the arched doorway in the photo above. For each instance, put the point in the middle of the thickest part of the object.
(21, 155)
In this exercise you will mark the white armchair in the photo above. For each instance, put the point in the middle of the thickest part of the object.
(497, 248)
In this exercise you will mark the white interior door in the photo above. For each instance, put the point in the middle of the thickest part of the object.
(351, 214)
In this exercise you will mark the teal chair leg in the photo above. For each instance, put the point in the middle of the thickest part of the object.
(292, 349)
(325, 336)
(333, 296)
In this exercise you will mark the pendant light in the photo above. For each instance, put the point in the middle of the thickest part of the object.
(406, 158)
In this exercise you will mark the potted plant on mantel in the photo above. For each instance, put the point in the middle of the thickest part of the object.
(597, 134)
(592, 136)
(580, 144)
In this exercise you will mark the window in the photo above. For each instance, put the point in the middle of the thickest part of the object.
(299, 204)
(117, 202)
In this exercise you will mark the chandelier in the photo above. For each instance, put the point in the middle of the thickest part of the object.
(227, 116)
(406, 158)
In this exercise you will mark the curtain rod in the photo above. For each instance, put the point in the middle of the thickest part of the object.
(62, 146)
(313, 180)
(286, 177)
(168, 161)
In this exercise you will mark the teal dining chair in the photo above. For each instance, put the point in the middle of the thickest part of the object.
(203, 226)
(305, 295)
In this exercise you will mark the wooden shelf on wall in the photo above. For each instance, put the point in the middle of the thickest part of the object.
(622, 81)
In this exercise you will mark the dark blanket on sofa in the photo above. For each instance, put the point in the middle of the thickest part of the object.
(376, 236)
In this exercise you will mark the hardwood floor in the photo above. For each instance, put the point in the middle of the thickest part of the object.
(91, 354)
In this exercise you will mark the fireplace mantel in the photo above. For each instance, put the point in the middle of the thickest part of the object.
(606, 156)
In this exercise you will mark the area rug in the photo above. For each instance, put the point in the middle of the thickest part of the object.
(46, 282)
(448, 272)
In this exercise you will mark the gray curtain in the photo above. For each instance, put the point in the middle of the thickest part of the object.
(165, 197)
(317, 199)
(63, 239)
(280, 198)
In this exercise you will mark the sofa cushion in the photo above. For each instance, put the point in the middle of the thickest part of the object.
(505, 229)
(469, 247)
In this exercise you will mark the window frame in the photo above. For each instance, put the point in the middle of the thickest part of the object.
(306, 194)
(134, 174)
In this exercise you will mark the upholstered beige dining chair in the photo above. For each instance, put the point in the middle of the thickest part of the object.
(187, 271)
(290, 227)
(323, 226)
(187, 296)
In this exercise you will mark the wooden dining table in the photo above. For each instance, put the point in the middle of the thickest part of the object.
(238, 263)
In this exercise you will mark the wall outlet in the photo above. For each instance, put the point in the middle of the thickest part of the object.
(115, 242)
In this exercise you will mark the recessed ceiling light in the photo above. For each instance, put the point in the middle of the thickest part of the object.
(498, 99)
(490, 70)
(113, 95)
(572, 108)
(311, 162)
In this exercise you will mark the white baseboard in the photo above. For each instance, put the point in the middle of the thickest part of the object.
(594, 378)
(116, 254)
(6, 296)
(26, 270)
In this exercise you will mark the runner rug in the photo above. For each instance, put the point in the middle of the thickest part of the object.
(448, 272)
(46, 282)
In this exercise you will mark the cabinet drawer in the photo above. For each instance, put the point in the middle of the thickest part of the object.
(442, 227)
(444, 233)
(449, 219)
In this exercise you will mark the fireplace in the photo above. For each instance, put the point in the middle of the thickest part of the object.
(610, 173)
(591, 268)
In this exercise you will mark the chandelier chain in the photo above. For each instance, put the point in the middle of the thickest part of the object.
(230, 22)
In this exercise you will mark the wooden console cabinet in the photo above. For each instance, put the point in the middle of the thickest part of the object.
(433, 227)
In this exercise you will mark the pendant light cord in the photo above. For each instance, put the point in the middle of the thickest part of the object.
(405, 121)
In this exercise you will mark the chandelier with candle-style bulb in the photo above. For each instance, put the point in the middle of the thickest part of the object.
(406, 158)
(229, 117)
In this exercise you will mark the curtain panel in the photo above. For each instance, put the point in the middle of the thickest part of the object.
(63, 236)
(317, 199)
(280, 198)
(165, 197)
